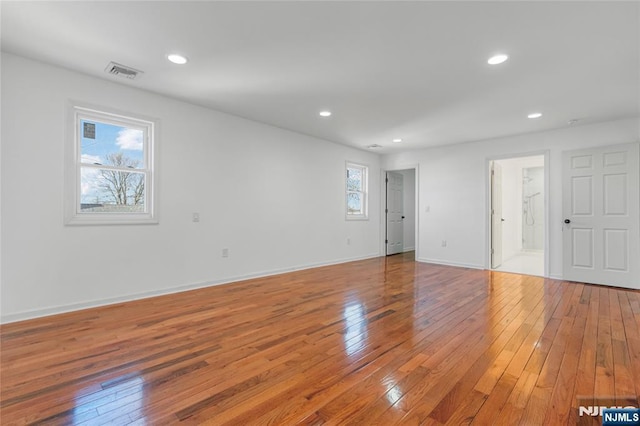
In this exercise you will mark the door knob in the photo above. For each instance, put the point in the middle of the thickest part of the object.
(403, 217)
(567, 221)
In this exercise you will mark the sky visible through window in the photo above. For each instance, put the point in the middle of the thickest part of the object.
(110, 139)
(112, 145)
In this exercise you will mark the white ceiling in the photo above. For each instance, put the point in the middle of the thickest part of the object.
(410, 70)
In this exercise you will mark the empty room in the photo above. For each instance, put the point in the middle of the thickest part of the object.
(312, 212)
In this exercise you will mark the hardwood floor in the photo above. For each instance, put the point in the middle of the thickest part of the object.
(381, 341)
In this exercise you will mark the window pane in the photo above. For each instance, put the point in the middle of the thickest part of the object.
(354, 203)
(109, 144)
(354, 179)
(107, 191)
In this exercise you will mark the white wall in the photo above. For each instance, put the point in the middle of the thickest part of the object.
(273, 197)
(453, 184)
(409, 208)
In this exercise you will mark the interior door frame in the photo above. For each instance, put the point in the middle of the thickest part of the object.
(383, 206)
(487, 210)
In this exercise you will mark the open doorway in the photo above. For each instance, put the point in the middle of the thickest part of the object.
(400, 211)
(518, 215)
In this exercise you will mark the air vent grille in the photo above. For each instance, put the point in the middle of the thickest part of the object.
(374, 146)
(122, 70)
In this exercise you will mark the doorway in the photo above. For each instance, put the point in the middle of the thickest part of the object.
(518, 215)
(400, 211)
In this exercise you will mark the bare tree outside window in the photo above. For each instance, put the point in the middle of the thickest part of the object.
(121, 187)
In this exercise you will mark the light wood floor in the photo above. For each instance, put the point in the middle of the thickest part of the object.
(382, 341)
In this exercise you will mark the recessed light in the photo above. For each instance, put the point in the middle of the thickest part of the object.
(177, 59)
(535, 115)
(572, 121)
(396, 140)
(497, 59)
(325, 113)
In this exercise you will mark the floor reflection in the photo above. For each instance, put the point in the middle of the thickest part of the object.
(356, 333)
(115, 403)
(393, 394)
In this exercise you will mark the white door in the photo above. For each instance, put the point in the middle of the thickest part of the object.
(395, 229)
(601, 235)
(496, 215)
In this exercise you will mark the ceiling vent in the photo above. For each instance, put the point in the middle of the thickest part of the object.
(374, 146)
(122, 70)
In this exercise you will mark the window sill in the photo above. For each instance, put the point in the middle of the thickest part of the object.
(350, 218)
(86, 220)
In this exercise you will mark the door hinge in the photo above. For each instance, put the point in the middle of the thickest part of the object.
(492, 251)
(386, 210)
(386, 241)
(386, 180)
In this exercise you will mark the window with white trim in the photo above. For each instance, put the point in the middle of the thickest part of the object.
(111, 178)
(356, 191)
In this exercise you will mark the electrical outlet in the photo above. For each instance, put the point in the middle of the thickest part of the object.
(444, 243)
(196, 217)
(225, 252)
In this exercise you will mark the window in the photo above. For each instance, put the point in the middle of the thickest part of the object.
(356, 185)
(110, 177)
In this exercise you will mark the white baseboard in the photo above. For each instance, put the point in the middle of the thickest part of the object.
(446, 263)
(37, 313)
(406, 249)
(555, 277)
